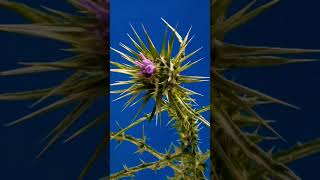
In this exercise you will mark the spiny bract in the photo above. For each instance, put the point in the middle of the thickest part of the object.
(159, 76)
(235, 152)
(88, 35)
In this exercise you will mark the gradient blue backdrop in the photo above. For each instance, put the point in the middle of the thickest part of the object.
(293, 24)
(185, 12)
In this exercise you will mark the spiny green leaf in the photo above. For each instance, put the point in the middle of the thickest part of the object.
(66, 123)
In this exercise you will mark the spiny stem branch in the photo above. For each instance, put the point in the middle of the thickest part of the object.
(153, 165)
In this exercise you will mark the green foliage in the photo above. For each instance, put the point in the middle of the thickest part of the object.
(166, 89)
(235, 152)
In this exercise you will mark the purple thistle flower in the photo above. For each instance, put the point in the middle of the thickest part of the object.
(100, 9)
(148, 69)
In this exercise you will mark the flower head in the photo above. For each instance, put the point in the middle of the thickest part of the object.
(161, 71)
(100, 9)
(148, 69)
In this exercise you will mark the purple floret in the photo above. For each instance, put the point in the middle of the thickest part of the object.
(101, 10)
(148, 69)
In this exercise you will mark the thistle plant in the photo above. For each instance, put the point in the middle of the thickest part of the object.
(158, 76)
(236, 152)
(87, 33)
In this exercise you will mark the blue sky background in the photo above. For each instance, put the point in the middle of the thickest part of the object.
(294, 24)
(20, 144)
(185, 12)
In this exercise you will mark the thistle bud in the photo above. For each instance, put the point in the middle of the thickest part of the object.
(147, 68)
